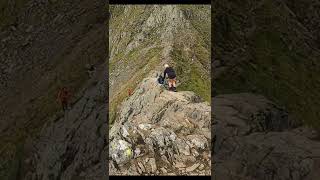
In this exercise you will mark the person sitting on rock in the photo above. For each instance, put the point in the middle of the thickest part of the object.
(172, 77)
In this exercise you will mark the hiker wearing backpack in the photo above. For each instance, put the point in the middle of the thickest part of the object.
(172, 77)
(63, 97)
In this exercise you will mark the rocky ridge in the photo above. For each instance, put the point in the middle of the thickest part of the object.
(144, 37)
(72, 145)
(45, 45)
(159, 132)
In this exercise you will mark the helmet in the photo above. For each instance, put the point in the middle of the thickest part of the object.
(166, 65)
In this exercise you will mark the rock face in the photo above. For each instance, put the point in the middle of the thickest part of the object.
(45, 45)
(73, 145)
(156, 132)
(270, 48)
(255, 139)
(159, 132)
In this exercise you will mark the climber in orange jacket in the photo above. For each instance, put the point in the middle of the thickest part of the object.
(64, 96)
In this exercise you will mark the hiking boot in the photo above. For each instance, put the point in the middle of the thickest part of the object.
(174, 89)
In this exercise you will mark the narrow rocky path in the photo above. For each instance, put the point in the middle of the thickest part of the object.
(159, 132)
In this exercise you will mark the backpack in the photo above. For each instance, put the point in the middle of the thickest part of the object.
(160, 80)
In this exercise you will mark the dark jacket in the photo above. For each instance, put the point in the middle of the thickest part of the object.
(170, 72)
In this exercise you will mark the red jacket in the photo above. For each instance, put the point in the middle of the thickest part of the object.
(64, 95)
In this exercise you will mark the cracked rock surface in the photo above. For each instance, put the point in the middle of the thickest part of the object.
(268, 146)
(45, 45)
(73, 145)
(159, 132)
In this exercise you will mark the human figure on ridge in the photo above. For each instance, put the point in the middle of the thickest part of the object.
(64, 96)
(172, 77)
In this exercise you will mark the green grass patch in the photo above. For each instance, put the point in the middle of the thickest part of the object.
(146, 63)
(192, 76)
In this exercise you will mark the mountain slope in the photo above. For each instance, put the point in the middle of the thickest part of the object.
(44, 45)
(144, 37)
(154, 131)
(266, 84)
(72, 145)
(270, 48)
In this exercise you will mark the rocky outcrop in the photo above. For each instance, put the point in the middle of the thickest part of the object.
(45, 45)
(39, 47)
(269, 47)
(156, 132)
(144, 37)
(255, 139)
(73, 145)
(159, 132)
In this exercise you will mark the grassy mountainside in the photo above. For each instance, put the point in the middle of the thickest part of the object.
(44, 45)
(144, 37)
(270, 48)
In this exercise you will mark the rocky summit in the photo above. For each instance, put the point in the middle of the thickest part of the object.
(160, 132)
